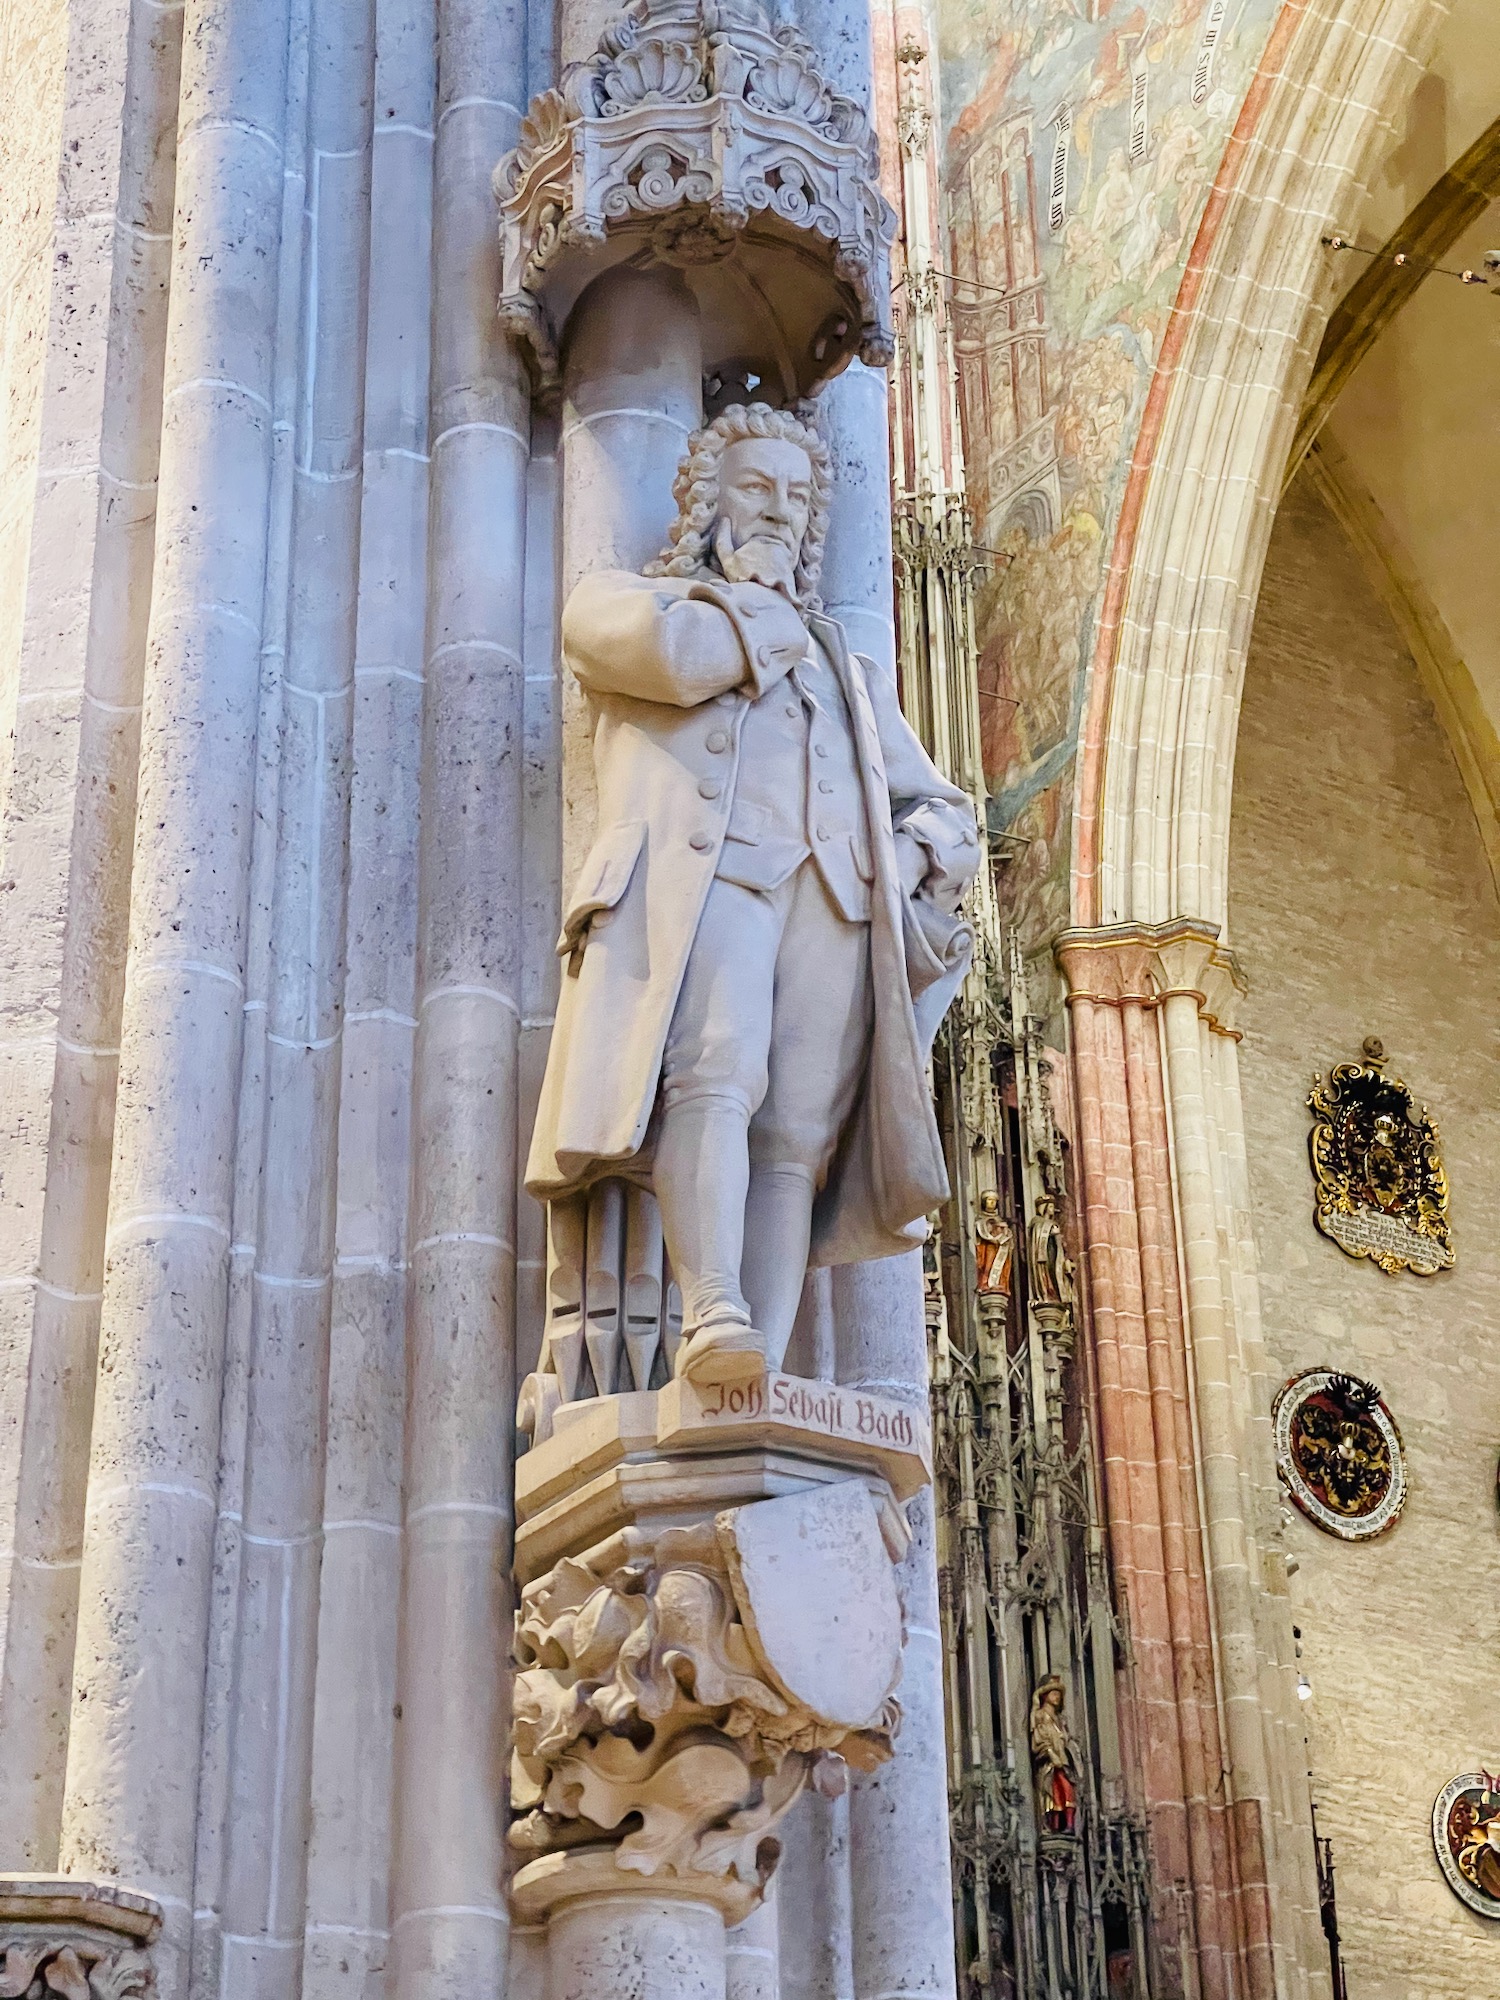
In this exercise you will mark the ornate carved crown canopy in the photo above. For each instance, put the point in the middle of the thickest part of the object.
(701, 136)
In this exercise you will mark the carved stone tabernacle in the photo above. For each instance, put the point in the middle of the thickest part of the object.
(704, 137)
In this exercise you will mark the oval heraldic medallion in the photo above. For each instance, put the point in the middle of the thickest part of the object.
(1466, 1835)
(1339, 1453)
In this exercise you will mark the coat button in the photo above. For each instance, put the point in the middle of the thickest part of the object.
(709, 788)
(820, 749)
(718, 739)
(825, 784)
(793, 709)
(700, 842)
(822, 833)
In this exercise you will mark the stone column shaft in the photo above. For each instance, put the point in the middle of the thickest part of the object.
(134, 1750)
(92, 541)
(902, 1898)
(815, 1922)
(632, 393)
(449, 1908)
(214, 1768)
(347, 1928)
(1192, 1521)
(752, 1950)
(270, 1720)
(635, 1947)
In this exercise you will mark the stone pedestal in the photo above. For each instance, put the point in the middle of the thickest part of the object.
(709, 1628)
(81, 1940)
(636, 1945)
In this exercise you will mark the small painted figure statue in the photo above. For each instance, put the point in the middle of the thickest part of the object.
(993, 1245)
(1053, 1759)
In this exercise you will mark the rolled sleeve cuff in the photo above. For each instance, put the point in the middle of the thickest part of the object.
(771, 631)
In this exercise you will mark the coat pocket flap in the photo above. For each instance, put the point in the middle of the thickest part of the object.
(603, 879)
(748, 822)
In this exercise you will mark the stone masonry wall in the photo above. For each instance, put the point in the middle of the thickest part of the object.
(1361, 904)
(33, 45)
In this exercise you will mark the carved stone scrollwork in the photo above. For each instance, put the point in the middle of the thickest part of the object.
(669, 1708)
(703, 110)
(67, 1939)
(34, 1967)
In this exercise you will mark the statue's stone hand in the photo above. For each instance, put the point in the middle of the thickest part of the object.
(912, 862)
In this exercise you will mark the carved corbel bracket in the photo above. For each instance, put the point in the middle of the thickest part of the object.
(701, 136)
(679, 1689)
(64, 1939)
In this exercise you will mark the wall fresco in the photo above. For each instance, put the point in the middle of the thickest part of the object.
(1082, 138)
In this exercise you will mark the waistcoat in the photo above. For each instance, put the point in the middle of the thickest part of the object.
(798, 791)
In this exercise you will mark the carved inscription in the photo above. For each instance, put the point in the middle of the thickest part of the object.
(813, 1406)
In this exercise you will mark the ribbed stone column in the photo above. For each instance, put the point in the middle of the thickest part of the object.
(448, 1899)
(752, 1950)
(348, 1919)
(815, 1918)
(77, 742)
(134, 1747)
(902, 1911)
(271, 1703)
(213, 1775)
(632, 393)
(898, 1814)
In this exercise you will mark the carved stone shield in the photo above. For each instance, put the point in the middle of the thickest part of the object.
(817, 1594)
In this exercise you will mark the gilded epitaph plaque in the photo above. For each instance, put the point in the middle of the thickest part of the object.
(1381, 1189)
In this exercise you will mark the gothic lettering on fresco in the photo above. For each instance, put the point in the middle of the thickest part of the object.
(1466, 1837)
(1382, 1192)
(1339, 1454)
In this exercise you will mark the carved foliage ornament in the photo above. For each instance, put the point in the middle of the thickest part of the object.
(36, 1966)
(647, 1716)
(1339, 1454)
(1466, 1837)
(697, 109)
(1381, 1189)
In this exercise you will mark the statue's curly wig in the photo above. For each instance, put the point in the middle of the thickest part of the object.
(696, 491)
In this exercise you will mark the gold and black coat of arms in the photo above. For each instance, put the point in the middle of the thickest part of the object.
(1381, 1189)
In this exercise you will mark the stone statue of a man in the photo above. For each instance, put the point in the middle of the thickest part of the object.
(765, 934)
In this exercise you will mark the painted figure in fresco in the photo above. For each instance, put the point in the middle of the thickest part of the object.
(765, 935)
(1053, 1758)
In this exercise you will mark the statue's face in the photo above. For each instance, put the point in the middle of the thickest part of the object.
(765, 493)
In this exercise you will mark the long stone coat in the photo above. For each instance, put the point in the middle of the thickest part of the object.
(669, 664)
